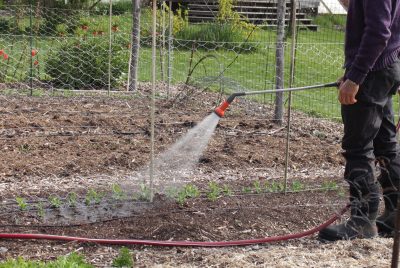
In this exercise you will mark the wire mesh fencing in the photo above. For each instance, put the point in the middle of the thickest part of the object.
(222, 46)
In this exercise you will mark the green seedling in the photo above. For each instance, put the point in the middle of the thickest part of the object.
(117, 192)
(277, 187)
(72, 260)
(214, 191)
(297, 186)
(124, 258)
(192, 191)
(329, 185)
(24, 148)
(21, 203)
(181, 197)
(246, 189)
(189, 191)
(40, 210)
(257, 187)
(93, 197)
(72, 199)
(227, 191)
(145, 193)
(55, 201)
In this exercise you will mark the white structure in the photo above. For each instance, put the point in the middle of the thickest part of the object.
(331, 7)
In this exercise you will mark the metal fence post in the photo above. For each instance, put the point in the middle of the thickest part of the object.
(153, 96)
(171, 22)
(291, 80)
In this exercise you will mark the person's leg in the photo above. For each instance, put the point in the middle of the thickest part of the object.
(362, 127)
(361, 121)
(387, 152)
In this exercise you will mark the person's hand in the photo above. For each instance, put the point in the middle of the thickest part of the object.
(347, 92)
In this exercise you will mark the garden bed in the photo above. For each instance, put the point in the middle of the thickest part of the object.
(53, 146)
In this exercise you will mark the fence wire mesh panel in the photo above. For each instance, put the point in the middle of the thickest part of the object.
(224, 46)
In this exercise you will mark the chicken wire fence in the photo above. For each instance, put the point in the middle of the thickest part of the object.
(215, 45)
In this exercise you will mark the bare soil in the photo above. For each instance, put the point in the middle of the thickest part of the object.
(53, 145)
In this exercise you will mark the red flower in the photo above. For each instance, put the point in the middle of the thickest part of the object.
(36, 63)
(34, 52)
(1, 52)
(5, 56)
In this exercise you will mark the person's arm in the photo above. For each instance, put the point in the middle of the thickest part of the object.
(377, 19)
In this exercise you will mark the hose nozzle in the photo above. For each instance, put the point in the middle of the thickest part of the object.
(220, 110)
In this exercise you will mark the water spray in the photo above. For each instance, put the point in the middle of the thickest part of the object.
(220, 110)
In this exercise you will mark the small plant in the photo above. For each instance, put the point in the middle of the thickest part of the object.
(227, 191)
(181, 197)
(214, 191)
(72, 199)
(24, 148)
(40, 210)
(145, 193)
(192, 191)
(124, 258)
(297, 186)
(55, 201)
(117, 192)
(329, 185)
(72, 260)
(276, 187)
(21, 203)
(257, 187)
(92, 197)
(189, 191)
(246, 189)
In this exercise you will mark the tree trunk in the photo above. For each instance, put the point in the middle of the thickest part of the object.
(280, 59)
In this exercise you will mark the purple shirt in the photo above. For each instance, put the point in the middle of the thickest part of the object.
(372, 37)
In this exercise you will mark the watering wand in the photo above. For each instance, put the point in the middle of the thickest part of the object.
(220, 110)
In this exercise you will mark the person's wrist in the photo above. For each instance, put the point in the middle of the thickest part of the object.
(352, 82)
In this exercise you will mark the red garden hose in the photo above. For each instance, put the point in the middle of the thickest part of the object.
(176, 243)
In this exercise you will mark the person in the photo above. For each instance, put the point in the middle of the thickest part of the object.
(371, 77)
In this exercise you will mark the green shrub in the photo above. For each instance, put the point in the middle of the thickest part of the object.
(84, 64)
(217, 36)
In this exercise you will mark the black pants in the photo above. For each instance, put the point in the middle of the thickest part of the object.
(370, 133)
